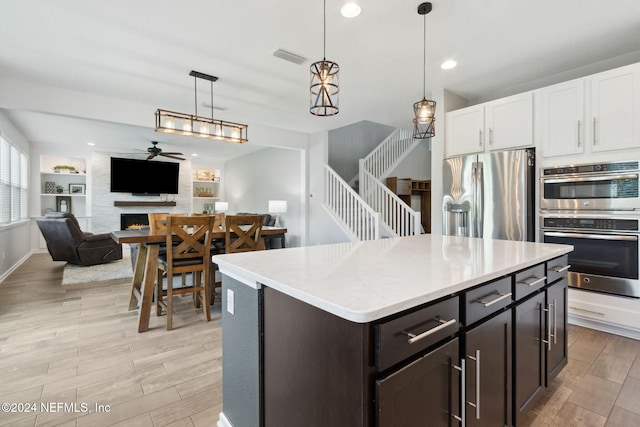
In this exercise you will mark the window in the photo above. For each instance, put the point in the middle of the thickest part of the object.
(13, 183)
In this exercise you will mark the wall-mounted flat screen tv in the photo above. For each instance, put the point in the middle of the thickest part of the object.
(144, 177)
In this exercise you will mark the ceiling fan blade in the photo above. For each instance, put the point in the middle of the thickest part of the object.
(151, 156)
(173, 153)
(172, 157)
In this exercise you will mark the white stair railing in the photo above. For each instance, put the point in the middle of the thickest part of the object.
(389, 153)
(352, 213)
(394, 212)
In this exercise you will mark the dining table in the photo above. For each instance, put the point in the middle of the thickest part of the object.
(144, 270)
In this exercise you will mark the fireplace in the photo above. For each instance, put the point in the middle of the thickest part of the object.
(133, 220)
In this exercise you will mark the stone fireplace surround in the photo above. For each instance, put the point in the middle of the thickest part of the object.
(105, 217)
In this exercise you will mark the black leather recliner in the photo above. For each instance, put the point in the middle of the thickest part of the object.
(67, 242)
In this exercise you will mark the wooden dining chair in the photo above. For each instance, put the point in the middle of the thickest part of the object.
(242, 233)
(188, 240)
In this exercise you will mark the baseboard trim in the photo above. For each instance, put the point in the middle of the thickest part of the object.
(223, 421)
(604, 327)
(15, 266)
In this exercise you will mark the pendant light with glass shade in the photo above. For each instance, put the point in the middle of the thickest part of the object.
(324, 81)
(424, 111)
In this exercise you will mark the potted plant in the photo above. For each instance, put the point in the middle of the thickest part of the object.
(59, 189)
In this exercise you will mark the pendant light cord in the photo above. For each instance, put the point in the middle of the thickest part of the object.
(424, 60)
(324, 31)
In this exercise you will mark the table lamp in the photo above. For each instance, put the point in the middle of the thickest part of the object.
(221, 206)
(276, 207)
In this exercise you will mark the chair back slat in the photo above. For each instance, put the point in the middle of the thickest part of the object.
(242, 233)
(188, 237)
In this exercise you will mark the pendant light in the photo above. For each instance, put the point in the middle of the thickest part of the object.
(200, 126)
(424, 111)
(324, 81)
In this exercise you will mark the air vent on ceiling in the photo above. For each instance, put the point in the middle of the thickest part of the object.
(288, 56)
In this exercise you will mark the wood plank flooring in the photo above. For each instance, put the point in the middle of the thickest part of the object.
(78, 344)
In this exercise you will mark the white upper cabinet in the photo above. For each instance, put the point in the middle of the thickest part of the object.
(497, 125)
(465, 129)
(615, 109)
(561, 118)
(508, 122)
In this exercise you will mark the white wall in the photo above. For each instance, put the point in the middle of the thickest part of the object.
(270, 174)
(322, 228)
(14, 239)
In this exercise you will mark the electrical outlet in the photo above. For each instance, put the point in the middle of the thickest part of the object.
(230, 301)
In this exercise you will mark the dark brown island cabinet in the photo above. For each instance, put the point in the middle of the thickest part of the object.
(476, 357)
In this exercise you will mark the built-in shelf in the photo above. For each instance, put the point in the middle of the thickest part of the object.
(123, 203)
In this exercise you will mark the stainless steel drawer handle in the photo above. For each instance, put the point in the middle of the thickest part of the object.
(476, 404)
(444, 323)
(532, 281)
(560, 268)
(490, 303)
(463, 398)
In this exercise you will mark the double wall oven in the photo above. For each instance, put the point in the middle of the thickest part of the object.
(595, 208)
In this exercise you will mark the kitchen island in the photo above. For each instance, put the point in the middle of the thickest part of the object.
(391, 332)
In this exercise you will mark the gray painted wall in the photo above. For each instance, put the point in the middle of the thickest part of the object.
(241, 348)
(349, 144)
(270, 174)
(14, 239)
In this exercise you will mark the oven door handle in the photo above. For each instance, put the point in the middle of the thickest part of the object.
(592, 236)
(589, 178)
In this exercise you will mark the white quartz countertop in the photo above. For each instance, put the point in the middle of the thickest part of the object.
(366, 281)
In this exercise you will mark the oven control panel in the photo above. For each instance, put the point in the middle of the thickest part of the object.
(596, 167)
(614, 224)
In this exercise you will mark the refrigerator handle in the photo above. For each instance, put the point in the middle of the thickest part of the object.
(479, 217)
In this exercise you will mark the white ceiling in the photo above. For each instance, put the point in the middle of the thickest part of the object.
(143, 50)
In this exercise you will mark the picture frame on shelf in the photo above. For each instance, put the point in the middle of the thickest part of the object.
(77, 189)
(203, 174)
(63, 204)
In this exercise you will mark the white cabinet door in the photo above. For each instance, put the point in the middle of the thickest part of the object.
(509, 122)
(465, 128)
(615, 109)
(562, 119)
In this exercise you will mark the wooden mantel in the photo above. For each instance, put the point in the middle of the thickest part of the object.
(123, 203)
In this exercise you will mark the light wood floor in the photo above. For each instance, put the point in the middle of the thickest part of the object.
(78, 344)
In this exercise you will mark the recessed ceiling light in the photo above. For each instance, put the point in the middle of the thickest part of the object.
(350, 10)
(448, 64)
(91, 143)
(194, 155)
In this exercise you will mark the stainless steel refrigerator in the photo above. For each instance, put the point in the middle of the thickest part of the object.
(490, 195)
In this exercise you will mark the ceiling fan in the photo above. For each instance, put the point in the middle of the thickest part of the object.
(155, 151)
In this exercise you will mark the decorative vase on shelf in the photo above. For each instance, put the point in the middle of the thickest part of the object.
(49, 187)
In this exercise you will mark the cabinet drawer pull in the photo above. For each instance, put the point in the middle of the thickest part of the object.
(532, 281)
(560, 268)
(444, 323)
(480, 137)
(588, 311)
(490, 303)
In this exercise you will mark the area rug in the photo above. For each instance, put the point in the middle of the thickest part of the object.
(74, 274)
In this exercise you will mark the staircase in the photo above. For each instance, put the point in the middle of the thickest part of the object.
(376, 211)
